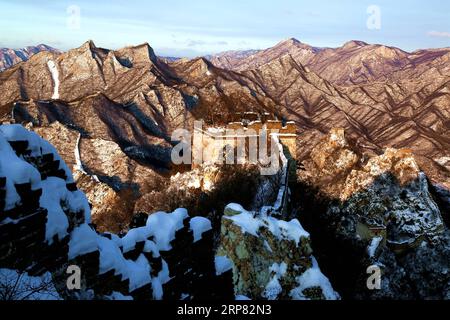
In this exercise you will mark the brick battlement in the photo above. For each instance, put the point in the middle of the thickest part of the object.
(221, 137)
(271, 125)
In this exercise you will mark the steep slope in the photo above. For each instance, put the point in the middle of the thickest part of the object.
(119, 108)
(417, 121)
(230, 59)
(131, 101)
(245, 60)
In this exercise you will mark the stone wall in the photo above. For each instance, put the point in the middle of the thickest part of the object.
(46, 228)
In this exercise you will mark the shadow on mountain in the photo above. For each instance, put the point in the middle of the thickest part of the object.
(342, 231)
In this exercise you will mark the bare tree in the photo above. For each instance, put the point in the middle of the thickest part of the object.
(17, 285)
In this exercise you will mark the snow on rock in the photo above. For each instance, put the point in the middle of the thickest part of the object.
(247, 222)
(268, 256)
(199, 225)
(55, 76)
(251, 223)
(372, 249)
(313, 278)
(273, 288)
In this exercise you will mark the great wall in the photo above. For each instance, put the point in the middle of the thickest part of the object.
(244, 139)
(167, 256)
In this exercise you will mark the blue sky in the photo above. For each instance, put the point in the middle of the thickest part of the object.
(197, 27)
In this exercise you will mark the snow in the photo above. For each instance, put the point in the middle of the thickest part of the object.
(150, 246)
(279, 269)
(184, 296)
(111, 257)
(223, 264)
(235, 207)
(83, 240)
(134, 236)
(284, 171)
(311, 278)
(242, 298)
(16, 171)
(267, 246)
(163, 227)
(291, 230)
(138, 272)
(273, 289)
(159, 232)
(199, 225)
(118, 296)
(37, 145)
(54, 195)
(372, 249)
(247, 221)
(55, 76)
(79, 164)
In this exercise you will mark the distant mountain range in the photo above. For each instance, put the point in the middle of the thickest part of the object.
(356, 62)
(10, 57)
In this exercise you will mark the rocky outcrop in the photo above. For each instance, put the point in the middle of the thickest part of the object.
(380, 211)
(270, 258)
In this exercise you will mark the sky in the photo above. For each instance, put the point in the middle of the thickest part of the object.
(197, 27)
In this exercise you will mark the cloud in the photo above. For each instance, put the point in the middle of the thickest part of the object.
(439, 34)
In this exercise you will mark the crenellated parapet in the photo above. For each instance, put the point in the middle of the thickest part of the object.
(45, 228)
